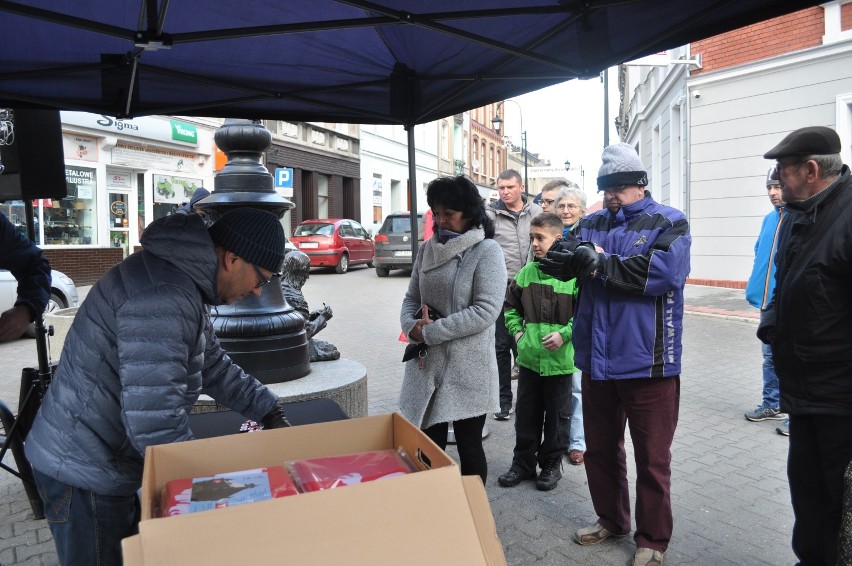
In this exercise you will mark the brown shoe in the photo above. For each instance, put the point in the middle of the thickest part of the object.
(576, 457)
(595, 534)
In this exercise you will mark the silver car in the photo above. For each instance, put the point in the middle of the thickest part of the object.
(63, 293)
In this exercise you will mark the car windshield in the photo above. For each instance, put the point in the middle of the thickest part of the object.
(314, 230)
(397, 224)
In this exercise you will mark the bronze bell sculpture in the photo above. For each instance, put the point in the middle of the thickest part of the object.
(264, 335)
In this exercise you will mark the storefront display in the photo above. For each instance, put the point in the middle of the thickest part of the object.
(73, 219)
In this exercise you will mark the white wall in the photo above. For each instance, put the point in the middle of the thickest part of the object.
(742, 113)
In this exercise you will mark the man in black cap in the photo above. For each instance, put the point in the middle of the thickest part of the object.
(809, 326)
(139, 353)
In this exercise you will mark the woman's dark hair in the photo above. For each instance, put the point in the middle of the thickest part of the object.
(459, 193)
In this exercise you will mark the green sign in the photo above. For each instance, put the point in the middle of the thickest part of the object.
(182, 131)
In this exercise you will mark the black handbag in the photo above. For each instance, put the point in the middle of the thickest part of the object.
(419, 350)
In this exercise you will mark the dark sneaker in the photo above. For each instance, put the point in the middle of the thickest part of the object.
(504, 413)
(784, 428)
(514, 477)
(765, 414)
(550, 475)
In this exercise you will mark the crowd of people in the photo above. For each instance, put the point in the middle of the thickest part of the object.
(589, 306)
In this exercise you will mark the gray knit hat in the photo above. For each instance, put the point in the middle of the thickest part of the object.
(253, 234)
(772, 177)
(621, 166)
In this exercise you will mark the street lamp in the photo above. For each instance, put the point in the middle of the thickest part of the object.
(497, 123)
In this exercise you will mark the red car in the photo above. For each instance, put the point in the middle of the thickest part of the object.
(334, 242)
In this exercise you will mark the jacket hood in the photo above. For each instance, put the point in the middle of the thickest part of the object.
(183, 241)
(436, 254)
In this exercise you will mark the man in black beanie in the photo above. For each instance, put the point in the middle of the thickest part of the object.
(808, 324)
(139, 353)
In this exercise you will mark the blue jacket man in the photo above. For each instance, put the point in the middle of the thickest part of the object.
(759, 290)
(627, 343)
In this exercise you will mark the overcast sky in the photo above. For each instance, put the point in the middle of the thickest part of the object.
(565, 122)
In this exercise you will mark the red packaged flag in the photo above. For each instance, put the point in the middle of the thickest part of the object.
(315, 474)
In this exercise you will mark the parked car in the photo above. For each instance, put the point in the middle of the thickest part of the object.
(334, 242)
(63, 294)
(393, 242)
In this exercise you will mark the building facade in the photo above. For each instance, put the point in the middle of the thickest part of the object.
(702, 123)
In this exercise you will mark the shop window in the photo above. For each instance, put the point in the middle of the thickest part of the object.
(73, 219)
(322, 196)
(170, 192)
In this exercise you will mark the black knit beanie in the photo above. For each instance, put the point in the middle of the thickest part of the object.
(253, 234)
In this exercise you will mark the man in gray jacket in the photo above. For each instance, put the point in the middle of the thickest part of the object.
(511, 216)
(139, 353)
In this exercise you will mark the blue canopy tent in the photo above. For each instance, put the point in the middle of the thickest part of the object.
(358, 61)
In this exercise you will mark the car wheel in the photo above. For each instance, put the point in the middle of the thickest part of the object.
(54, 304)
(382, 271)
(342, 265)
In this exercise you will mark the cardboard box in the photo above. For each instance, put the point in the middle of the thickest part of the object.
(430, 517)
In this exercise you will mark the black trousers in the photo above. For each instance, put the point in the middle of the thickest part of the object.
(504, 345)
(820, 449)
(542, 419)
(468, 442)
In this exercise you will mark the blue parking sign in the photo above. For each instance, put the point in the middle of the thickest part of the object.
(284, 178)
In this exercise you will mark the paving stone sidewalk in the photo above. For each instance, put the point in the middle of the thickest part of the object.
(730, 498)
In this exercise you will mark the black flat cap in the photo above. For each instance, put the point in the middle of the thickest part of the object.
(813, 140)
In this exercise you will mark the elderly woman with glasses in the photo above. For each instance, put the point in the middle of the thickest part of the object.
(570, 206)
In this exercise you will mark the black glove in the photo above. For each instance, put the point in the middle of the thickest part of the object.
(276, 417)
(565, 263)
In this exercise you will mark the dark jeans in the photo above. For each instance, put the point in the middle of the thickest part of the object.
(820, 449)
(650, 406)
(503, 345)
(468, 442)
(87, 527)
(542, 419)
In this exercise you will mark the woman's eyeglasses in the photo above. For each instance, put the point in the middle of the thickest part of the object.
(567, 206)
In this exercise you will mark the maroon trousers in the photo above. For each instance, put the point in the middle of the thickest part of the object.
(650, 406)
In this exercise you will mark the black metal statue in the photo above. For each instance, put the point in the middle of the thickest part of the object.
(295, 272)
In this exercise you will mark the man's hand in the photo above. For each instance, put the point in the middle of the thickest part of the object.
(14, 322)
(580, 263)
(276, 417)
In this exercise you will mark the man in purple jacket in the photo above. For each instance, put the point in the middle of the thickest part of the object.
(634, 258)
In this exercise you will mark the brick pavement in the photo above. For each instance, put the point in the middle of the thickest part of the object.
(730, 498)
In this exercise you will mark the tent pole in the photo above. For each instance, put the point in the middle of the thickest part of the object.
(412, 191)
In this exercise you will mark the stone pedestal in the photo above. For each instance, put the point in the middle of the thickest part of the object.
(343, 381)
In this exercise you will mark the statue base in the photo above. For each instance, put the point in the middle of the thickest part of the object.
(343, 381)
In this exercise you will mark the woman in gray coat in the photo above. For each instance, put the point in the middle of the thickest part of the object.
(460, 276)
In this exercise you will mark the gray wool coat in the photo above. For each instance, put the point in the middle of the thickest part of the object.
(465, 281)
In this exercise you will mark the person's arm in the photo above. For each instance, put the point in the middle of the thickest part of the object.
(664, 267)
(412, 301)
(28, 265)
(513, 307)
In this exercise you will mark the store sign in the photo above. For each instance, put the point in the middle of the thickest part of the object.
(181, 131)
(174, 190)
(80, 182)
(377, 191)
(149, 157)
(118, 208)
(82, 148)
(118, 180)
(148, 127)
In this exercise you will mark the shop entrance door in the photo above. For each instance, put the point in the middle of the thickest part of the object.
(119, 223)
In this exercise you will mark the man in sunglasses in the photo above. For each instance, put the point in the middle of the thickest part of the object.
(139, 353)
(809, 326)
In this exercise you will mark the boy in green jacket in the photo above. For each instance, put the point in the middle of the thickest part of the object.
(538, 313)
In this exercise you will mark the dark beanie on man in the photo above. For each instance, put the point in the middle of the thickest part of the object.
(621, 166)
(253, 234)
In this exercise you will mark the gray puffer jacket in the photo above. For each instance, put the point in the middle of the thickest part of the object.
(139, 353)
(465, 281)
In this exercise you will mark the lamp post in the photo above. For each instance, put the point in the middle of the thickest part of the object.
(497, 122)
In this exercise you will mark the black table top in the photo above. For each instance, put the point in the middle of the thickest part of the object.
(221, 423)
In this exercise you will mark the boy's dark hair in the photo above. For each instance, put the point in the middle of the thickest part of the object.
(459, 193)
(549, 221)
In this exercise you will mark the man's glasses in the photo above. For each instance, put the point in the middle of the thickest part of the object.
(262, 281)
(548, 201)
